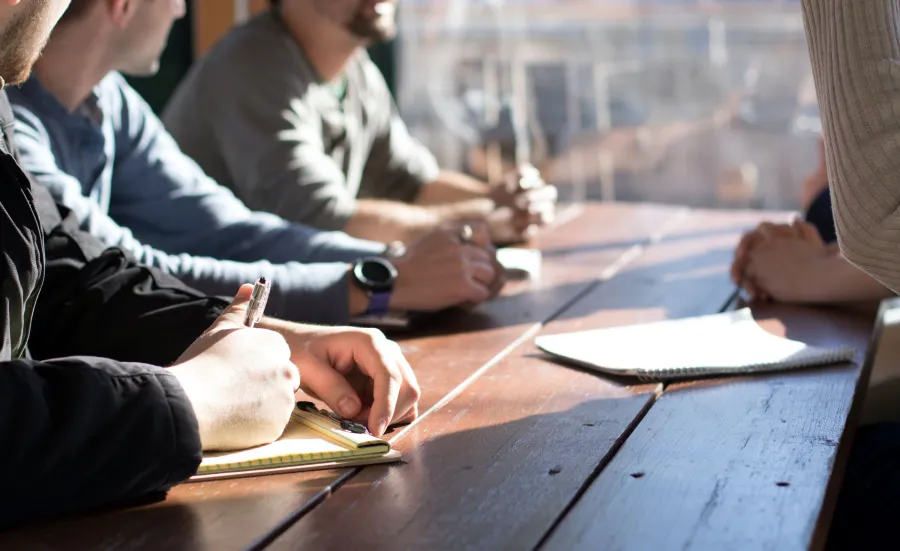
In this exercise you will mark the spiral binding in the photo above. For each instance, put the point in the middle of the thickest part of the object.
(812, 357)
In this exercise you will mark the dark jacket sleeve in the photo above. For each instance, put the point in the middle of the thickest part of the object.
(97, 302)
(80, 433)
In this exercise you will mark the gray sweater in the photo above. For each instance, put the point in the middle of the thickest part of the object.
(258, 118)
(854, 46)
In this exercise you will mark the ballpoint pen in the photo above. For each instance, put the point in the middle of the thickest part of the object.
(257, 302)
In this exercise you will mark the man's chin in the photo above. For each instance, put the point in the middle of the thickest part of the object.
(373, 31)
(16, 75)
(142, 70)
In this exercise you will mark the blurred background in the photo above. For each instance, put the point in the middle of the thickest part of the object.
(706, 103)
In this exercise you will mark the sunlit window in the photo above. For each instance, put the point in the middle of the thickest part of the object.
(703, 103)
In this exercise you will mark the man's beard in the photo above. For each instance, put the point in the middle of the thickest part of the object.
(21, 43)
(379, 29)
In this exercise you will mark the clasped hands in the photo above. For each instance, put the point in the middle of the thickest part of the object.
(779, 261)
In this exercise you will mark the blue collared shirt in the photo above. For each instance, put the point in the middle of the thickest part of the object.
(112, 162)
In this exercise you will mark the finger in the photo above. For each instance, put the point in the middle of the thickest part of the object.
(475, 253)
(394, 386)
(764, 231)
(483, 272)
(384, 401)
(768, 230)
(539, 195)
(474, 291)
(329, 385)
(407, 405)
(740, 256)
(481, 235)
(234, 313)
(746, 243)
(497, 285)
(411, 415)
(522, 220)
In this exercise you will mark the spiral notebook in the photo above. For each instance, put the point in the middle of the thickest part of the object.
(313, 439)
(721, 344)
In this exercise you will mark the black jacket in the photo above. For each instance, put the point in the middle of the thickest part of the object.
(86, 417)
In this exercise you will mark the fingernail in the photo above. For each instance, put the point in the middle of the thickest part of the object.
(347, 407)
(381, 427)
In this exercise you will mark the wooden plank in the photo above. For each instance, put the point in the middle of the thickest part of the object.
(237, 513)
(740, 463)
(496, 467)
(686, 274)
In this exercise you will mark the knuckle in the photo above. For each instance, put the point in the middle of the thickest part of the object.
(414, 392)
(373, 335)
(288, 372)
(394, 376)
(394, 347)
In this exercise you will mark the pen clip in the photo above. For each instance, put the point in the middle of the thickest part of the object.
(258, 300)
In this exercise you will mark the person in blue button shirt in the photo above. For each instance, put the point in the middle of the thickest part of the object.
(85, 134)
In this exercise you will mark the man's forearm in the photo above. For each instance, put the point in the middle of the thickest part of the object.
(843, 282)
(452, 187)
(387, 221)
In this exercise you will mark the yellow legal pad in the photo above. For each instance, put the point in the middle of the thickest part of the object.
(313, 439)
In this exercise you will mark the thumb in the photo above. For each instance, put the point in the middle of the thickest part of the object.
(481, 235)
(233, 315)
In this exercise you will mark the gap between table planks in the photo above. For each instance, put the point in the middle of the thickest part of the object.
(742, 463)
(235, 514)
(496, 467)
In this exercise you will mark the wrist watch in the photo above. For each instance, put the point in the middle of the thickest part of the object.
(375, 275)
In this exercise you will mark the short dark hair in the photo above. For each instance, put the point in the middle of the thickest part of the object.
(274, 3)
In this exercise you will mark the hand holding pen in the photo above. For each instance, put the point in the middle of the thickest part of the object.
(240, 381)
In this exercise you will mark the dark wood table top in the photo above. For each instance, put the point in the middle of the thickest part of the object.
(515, 451)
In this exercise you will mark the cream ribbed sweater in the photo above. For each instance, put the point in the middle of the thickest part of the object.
(854, 46)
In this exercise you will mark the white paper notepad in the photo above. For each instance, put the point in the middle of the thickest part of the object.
(720, 344)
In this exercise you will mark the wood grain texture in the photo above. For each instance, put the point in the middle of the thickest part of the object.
(491, 470)
(497, 466)
(684, 274)
(234, 514)
(740, 463)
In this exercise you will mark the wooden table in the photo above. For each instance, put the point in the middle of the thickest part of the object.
(513, 451)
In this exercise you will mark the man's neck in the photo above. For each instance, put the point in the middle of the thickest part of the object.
(73, 62)
(329, 53)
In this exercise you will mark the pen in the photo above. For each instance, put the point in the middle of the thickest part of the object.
(257, 301)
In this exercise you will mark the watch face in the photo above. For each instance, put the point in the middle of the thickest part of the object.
(375, 274)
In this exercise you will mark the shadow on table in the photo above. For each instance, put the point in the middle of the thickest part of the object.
(605, 246)
(527, 469)
(686, 286)
(187, 521)
(674, 284)
(492, 486)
